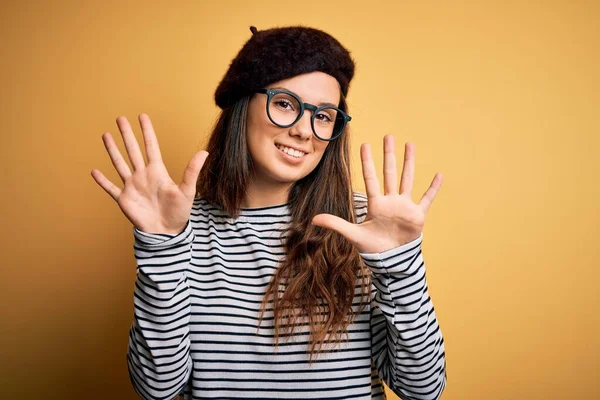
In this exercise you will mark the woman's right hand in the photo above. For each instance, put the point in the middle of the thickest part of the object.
(150, 198)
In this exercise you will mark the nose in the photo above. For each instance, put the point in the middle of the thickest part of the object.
(302, 129)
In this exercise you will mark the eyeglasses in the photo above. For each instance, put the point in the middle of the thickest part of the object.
(285, 108)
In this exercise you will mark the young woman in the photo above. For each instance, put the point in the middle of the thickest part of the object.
(262, 274)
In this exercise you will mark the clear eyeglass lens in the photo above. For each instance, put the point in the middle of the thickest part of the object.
(285, 108)
(328, 123)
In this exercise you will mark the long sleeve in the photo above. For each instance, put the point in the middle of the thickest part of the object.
(158, 356)
(408, 347)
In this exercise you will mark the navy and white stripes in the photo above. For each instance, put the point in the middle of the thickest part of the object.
(197, 299)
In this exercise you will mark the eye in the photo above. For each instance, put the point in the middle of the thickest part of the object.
(323, 117)
(284, 104)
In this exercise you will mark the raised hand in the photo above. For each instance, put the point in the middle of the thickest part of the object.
(150, 199)
(392, 218)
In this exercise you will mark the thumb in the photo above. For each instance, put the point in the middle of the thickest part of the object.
(190, 175)
(340, 225)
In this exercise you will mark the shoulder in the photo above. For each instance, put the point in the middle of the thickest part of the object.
(201, 203)
(204, 210)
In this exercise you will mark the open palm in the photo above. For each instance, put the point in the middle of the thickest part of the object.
(149, 199)
(393, 219)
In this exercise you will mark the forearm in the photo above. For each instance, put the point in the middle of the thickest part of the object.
(408, 346)
(158, 356)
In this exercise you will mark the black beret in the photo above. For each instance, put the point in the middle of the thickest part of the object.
(279, 53)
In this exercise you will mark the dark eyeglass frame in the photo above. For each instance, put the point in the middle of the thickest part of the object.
(303, 106)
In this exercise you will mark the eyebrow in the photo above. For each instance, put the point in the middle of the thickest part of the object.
(319, 105)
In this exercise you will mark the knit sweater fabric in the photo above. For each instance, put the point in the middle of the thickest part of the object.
(197, 299)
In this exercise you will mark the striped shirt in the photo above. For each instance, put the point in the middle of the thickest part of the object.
(197, 299)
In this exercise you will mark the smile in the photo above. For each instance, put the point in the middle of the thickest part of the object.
(291, 152)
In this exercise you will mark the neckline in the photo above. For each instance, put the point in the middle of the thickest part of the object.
(256, 211)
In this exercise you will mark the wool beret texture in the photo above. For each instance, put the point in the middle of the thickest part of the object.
(279, 53)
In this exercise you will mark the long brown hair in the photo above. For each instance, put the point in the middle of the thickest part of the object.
(321, 268)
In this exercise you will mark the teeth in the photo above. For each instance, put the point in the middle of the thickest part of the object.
(291, 152)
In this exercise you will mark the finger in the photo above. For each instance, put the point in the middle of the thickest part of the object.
(349, 230)
(390, 173)
(369, 172)
(408, 169)
(107, 185)
(131, 144)
(430, 194)
(116, 157)
(190, 175)
(150, 140)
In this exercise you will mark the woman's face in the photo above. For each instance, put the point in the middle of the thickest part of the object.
(267, 142)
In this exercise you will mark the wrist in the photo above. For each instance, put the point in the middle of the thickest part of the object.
(161, 230)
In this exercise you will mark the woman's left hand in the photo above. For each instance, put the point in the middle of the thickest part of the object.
(392, 218)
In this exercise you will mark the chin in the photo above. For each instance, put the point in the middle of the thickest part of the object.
(286, 178)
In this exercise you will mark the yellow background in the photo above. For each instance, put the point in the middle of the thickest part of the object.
(502, 98)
